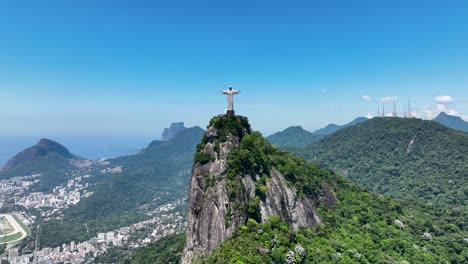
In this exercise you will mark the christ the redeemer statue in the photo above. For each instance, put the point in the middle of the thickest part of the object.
(230, 97)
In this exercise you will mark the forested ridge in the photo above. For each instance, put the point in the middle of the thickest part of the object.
(358, 227)
(409, 159)
(157, 175)
(294, 136)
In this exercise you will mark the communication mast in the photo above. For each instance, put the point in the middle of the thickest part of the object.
(394, 113)
(409, 107)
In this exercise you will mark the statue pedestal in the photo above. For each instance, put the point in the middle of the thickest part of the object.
(229, 112)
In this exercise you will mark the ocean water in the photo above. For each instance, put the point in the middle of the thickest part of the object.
(88, 147)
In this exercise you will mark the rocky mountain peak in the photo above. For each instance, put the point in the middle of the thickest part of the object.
(454, 122)
(43, 148)
(172, 131)
(234, 179)
(52, 146)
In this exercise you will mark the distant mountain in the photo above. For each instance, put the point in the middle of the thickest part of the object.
(46, 155)
(294, 136)
(159, 174)
(451, 121)
(403, 158)
(333, 127)
(172, 131)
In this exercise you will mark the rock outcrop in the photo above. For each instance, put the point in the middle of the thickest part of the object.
(172, 131)
(283, 200)
(220, 202)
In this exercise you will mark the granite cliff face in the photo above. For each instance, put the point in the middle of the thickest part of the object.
(224, 194)
(172, 131)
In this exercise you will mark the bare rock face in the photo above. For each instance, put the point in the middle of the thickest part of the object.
(214, 212)
(208, 198)
(283, 200)
(172, 131)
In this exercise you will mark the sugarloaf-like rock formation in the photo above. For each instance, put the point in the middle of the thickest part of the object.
(44, 148)
(237, 175)
(172, 131)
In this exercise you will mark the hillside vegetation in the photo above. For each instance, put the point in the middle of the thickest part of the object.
(48, 158)
(294, 136)
(157, 175)
(357, 226)
(360, 227)
(164, 251)
(331, 128)
(402, 158)
(454, 122)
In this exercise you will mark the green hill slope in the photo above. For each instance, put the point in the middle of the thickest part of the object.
(331, 128)
(402, 158)
(360, 228)
(294, 136)
(47, 157)
(454, 122)
(355, 225)
(159, 174)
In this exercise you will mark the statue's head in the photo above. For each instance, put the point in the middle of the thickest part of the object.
(230, 88)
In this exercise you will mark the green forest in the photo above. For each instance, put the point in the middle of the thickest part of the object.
(157, 175)
(409, 159)
(294, 136)
(358, 227)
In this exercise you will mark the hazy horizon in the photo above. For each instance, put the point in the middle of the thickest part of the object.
(87, 146)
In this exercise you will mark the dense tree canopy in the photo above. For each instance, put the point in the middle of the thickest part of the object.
(402, 158)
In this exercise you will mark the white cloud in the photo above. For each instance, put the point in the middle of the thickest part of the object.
(366, 98)
(432, 111)
(444, 99)
(370, 116)
(389, 99)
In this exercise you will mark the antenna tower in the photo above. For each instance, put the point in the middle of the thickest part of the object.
(409, 107)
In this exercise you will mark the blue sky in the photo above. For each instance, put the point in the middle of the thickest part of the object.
(129, 68)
